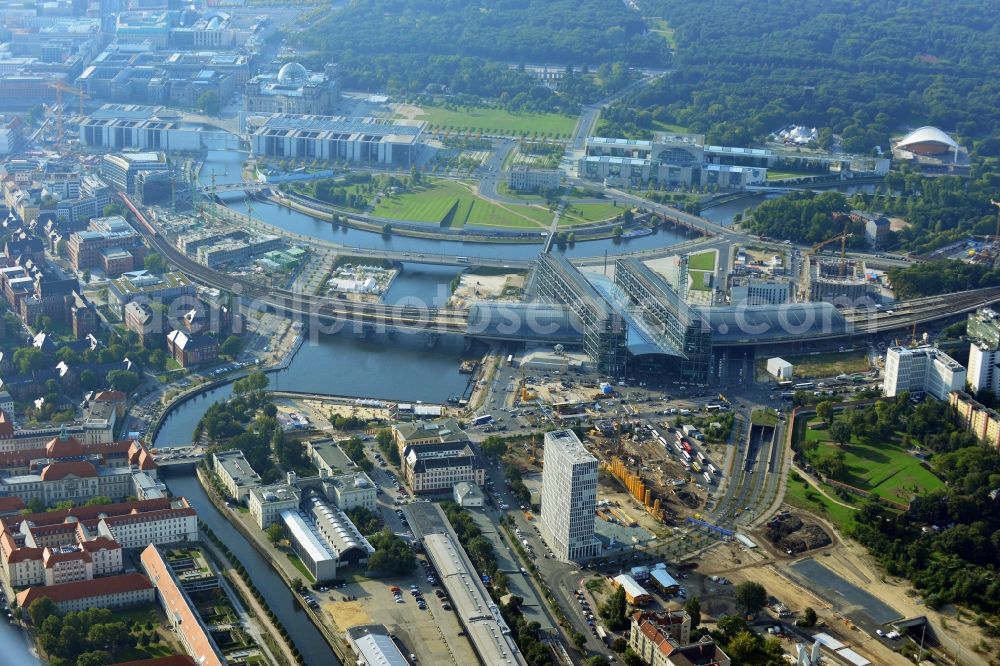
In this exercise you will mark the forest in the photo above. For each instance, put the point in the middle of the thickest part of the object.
(806, 217)
(744, 70)
(462, 48)
(943, 276)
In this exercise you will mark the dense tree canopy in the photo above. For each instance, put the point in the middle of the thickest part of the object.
(743, 70)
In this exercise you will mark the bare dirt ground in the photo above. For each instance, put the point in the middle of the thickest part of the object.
(478, 287)
(407, 111)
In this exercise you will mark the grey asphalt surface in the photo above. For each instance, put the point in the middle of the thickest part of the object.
(863, 608)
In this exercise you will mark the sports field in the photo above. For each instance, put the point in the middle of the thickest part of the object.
(497, 121)
(451, 204)
(882, 468)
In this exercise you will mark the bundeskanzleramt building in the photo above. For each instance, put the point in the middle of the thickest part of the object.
(569, 497)
(922, 370)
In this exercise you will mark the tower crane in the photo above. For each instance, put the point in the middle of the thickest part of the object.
(60, 88)
(842, 237)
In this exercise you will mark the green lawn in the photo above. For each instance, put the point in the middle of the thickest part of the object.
(882, 468)
(575, 214)
(702, 261)
(701, 280)
(661, 27)
(452, 204)
(778, 175)
(764, 416)
(497, 121)
(297, 563)
(803, 496)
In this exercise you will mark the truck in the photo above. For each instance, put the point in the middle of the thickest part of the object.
(688, 429)
(482, 420)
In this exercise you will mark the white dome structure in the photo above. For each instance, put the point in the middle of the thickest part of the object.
(928, 140)
(292, 74)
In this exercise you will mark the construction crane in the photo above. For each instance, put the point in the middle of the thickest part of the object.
(61, 87)
(842, 237)
(997, 204)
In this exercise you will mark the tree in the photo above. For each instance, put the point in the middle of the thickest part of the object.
(693, 608)
(41, 609)
(494, 447)
(296, 584)
(387, 445)
(598, 660)
(155, 263)
(208, 102)
(743, 646)
(840, 431)
(123, 380)
(275, 532)
(231, 346)
(386, 229)
(254, 382)
(615, 609)
(392, 556)
(94, 658)
(824, 410)
(29, 358)
(113, 209)
(631, 658)
(809, 617)
(750, 597)
(86, 276)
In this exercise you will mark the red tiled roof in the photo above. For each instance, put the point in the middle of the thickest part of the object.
(100, 543)
(85, 513)
(6, 427)
(23, 554)
(173, 660)
(11, 504)
(50, 558)
(148, 516)
(60, 470)
(85, 589)
(58, 447)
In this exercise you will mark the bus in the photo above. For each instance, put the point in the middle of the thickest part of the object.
(686, 445)
(510, 360)
(785, 384)
(713, 408)
(701, 457)
(677, 445)
(707, 477)
(482, 420)
(714, 470)
(696, 466)
(687, 456)
(787, 395)
(804, 385)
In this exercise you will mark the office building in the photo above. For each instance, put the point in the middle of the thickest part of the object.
(292, 89)
(419, 433)
(144, 286)
(191, 349)
(125, 127)
(759, 291)
(525, 179)
(130, 589)
(664, 639)
(266, 503)
(235, 473)
(436, 468)
(569, 497)
(84, 248)
(922, 370)
(121, 170)
(983, 331)
(337, 139)
(11, 136)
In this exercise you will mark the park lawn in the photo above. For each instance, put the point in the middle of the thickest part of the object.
(702, 261)
(441, 199)
(298, 564)
(883, 468)
(764, 416)
(803, 496)
(701, 280)
(575, 214)
(828, 364)
(497, 121)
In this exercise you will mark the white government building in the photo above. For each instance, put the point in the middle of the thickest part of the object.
(922, 370)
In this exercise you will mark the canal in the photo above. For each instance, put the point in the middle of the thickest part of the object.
(314, 648)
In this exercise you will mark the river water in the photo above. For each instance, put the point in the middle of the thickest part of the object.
(314, 648)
